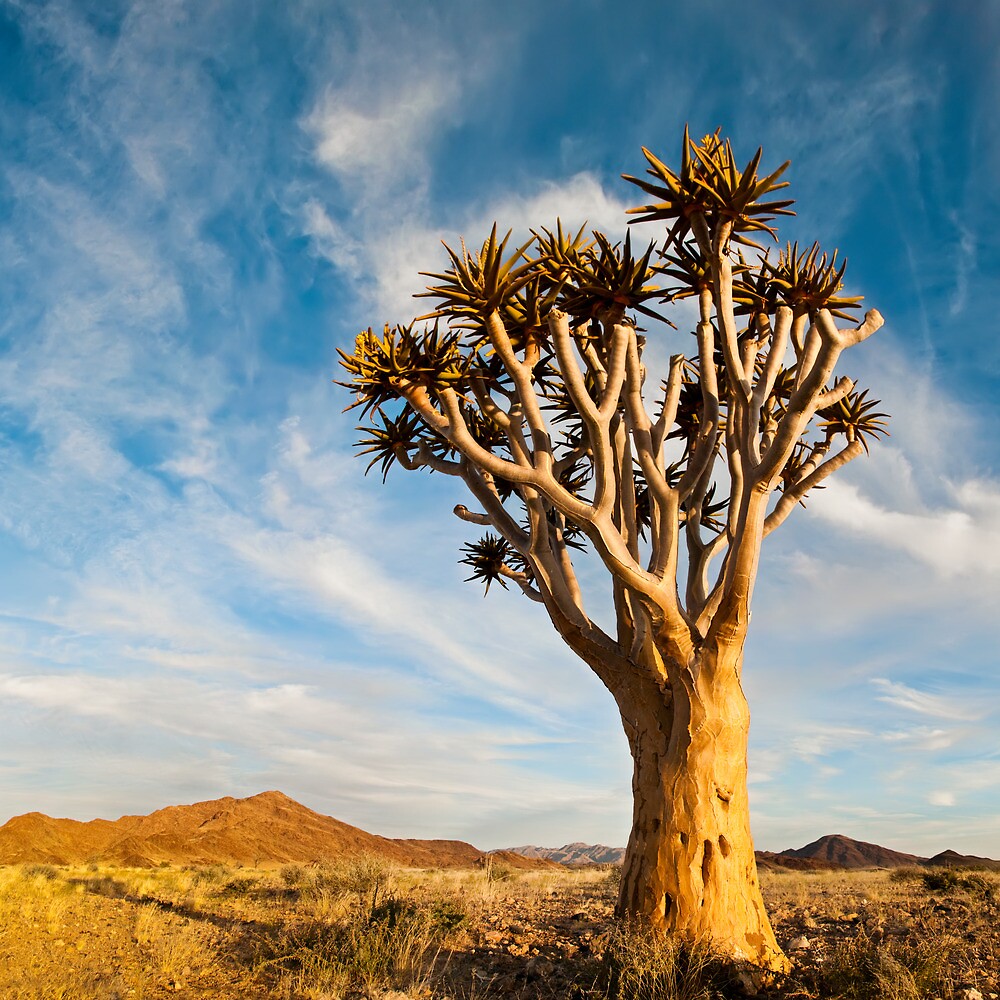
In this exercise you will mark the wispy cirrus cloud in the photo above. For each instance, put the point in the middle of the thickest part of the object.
(922, 702)
(922, 738)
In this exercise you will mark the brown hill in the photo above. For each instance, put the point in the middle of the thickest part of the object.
(952, 859)
(769, 861)
(269, 828)
(849, 853)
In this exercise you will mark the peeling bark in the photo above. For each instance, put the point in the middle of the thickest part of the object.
(690, 869)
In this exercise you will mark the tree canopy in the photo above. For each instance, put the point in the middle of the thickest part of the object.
(527, 381)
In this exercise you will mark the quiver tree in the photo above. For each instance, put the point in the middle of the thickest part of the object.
(527, 382)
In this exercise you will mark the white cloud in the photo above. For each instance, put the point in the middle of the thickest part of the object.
(964, 539)
(965, 264)
(374, 133)
(819, 740)
(941, 798)
(332, 240)
(328, 741)
(385, 250)
(903, 696)
(922, 738)
(377, 134)
(974, 775)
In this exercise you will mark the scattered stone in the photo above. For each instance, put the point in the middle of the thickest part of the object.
(749, 982)
(536, 967)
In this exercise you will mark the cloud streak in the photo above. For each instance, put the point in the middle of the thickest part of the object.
(921, 702)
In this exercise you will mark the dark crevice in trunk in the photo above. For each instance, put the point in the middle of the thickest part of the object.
(706, 867)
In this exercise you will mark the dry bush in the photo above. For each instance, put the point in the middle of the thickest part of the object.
(863, 969)
(638, 965)
(908, 873)
(174, 952)
(292, 876)
(368, 877)
(947, 880)
(49, 872)
(393, 946)
(496, 870)
(209, 874)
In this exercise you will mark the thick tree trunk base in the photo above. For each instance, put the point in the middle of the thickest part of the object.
(690, 870)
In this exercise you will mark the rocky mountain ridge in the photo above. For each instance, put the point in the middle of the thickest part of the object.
(831, 851)
(574, 854)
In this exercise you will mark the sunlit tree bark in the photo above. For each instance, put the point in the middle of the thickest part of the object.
(536, 396)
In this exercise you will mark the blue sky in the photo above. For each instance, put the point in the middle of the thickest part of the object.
(202, 596)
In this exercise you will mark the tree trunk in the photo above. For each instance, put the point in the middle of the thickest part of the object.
(689, 868)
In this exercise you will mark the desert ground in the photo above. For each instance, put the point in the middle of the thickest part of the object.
(364, 930)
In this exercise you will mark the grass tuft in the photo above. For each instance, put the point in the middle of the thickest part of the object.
(863, 969)
(638, 965)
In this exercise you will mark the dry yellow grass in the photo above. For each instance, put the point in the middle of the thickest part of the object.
(363, 930)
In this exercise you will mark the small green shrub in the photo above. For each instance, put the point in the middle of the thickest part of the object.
(447, 916)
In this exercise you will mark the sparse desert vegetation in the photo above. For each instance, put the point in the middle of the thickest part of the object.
(364, 930)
